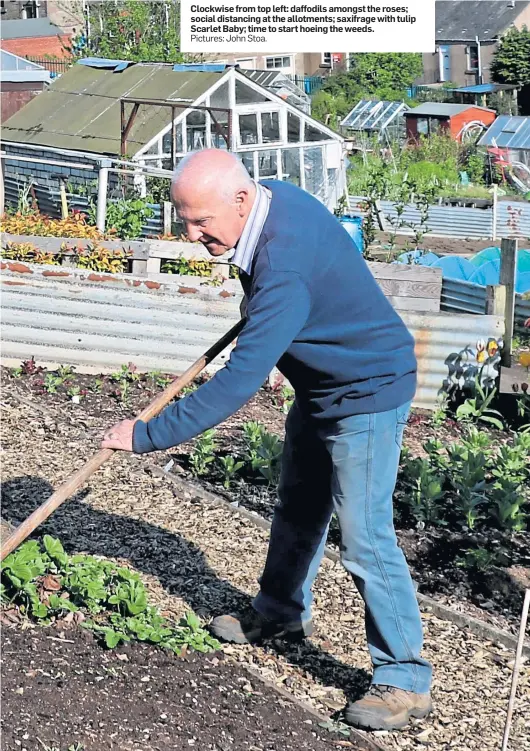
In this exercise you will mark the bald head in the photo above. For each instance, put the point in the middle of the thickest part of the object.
(212, 169)
(213, 195)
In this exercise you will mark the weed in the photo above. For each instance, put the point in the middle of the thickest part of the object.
(203, 453)
(477, 559)
(159, 379)
(45, 582)
(52, 383)
(229, 468)
(125, 377)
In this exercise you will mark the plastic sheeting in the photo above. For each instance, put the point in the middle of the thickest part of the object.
(482, 269)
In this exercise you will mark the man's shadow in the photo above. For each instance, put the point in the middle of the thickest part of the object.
(180, 566)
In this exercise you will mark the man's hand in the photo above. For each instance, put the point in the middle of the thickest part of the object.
(119, 437)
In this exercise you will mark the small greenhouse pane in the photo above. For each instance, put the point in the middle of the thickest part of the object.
(291, 165)
(270, 126)
(314, 172)
(246, 95)
(268, 164)
(248, 129)
(248, 161)
(152, 150)
(196, 130)
(219, 98)
(314, 134)
(166, 141)
(293, 128)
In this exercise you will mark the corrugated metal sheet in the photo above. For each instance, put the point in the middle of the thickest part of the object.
(81, 109)
(463, 297)
(508, 132)
(513, 219)
(97, 326)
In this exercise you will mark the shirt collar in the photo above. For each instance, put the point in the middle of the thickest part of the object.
(246, 246)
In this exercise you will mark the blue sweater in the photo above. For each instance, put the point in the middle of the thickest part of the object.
(316, 311)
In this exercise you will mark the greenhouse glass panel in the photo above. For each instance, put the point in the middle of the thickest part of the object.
(219, 98)
(268, 164)
(293, 128)
(314, 134)
(166, 141)
(196, 130)
(246, 95)
(248, 160)
(291, 165)
(248, 129)
(314, 172)
(270, 127)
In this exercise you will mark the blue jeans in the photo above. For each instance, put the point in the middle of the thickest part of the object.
(350, 467)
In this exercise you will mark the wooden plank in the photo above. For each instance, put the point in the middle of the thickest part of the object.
(402, 271)
(406, 288)
(514, 376)
(139, 249)
(418, 304)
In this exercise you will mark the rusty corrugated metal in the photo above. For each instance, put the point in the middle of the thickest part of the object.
(98, 322)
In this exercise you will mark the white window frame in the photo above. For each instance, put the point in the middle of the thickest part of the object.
(252, 60)
(469, 67)
(282, 68)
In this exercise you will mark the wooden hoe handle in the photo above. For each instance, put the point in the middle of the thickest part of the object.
(79, 478)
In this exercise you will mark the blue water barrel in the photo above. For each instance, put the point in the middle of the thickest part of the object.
(354, 227)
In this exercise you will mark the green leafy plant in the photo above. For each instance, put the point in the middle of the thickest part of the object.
(45, 582)
(203, 453)
(425, 490)
(230, 467)
(477, 559)
(477, 408)
(125, 217)
(125, 378)
(159, 379)
(269, 457)
(52, 383)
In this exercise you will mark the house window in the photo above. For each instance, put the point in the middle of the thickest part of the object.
(282, 61)
(326, 60)
(30, 10)
(472, 57)
(246, 63)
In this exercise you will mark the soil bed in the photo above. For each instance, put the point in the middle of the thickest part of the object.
(61, 688)
(434, 553)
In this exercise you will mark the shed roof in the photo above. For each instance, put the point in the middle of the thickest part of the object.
(466, 19)
(509, 133)
(438, 109)
(81, 109)
(29, 27)
(485, 88)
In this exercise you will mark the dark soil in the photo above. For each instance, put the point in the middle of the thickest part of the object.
(438, 245)
(60, 689)
(433, 553)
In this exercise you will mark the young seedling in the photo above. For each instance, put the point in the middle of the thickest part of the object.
(51, 383)
(229, 468)
(203, 453)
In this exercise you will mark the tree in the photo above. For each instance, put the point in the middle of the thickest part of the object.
(376, 71)
(147, 31)
(511, 61)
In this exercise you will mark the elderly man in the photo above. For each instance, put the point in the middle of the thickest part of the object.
(315, 310)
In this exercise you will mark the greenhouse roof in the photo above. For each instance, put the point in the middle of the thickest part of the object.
(373, 115)
(508, 132)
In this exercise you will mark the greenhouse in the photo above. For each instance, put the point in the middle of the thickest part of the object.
(154, 113)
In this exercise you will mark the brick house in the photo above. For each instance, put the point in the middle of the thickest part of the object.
(467, 35)
(33, 37)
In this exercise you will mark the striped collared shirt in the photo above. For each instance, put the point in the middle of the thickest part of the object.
(246, 246)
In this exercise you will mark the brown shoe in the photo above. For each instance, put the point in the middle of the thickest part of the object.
(387, 708)
(254, 628)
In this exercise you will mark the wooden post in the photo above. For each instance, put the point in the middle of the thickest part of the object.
(507, 278)
(516, 669)
(495, 300)
(167, 215)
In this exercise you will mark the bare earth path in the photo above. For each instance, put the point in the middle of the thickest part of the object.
(200, 556)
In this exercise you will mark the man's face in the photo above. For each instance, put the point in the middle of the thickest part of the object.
(209, 219)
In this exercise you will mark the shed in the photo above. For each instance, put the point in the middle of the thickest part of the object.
(20, 81)
(451, 119)
(155, 113)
